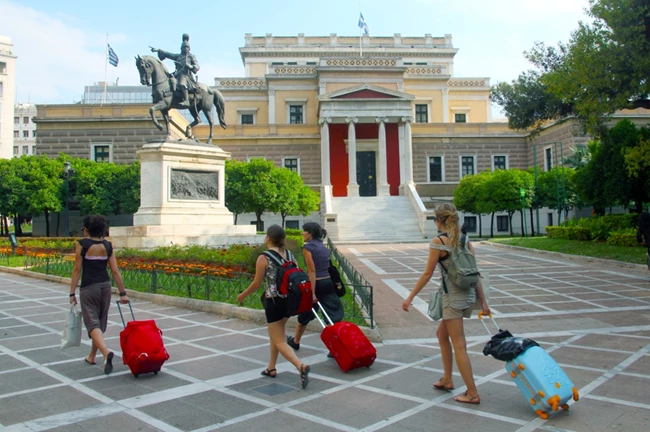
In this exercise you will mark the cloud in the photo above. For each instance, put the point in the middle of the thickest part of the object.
(56, 57)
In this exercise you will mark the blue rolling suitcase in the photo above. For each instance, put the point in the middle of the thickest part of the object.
(541, 380)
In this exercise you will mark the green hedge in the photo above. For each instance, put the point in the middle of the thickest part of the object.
(624, 237)
(596, 228)
(557, 232)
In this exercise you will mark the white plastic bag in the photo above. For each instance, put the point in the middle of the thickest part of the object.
(72, 328)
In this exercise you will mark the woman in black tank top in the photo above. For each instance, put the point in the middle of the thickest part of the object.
(93, 256)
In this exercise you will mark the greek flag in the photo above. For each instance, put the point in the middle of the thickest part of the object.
(362, 24)
(112, 57)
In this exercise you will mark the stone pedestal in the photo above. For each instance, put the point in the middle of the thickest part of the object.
(182, 199)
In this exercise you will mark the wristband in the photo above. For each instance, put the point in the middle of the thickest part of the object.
(122, 294)
(72, 295)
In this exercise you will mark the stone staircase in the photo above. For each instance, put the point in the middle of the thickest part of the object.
(389, 219)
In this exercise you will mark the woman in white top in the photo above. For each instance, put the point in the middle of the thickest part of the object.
(457, 304)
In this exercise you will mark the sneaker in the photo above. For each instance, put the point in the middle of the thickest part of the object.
(292, 344)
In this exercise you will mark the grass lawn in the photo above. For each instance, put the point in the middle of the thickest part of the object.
(635, 255)
(12, 261)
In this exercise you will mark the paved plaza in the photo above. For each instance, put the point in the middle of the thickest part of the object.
(593, 318)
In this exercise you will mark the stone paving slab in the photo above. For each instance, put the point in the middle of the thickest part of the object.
(593, 319)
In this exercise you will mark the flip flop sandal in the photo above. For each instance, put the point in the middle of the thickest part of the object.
(447, 387)
(90, 363)
(304, 375)
(270, 372)
(108, 363)
(474, 401)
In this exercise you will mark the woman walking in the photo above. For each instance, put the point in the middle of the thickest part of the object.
(93, 254)
(275, 306)
(317, 259)
(643, 233)
(456, 304)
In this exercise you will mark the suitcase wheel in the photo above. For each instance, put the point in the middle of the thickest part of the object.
(576, 395)
(554, 406)
(554, 402)
(533, 401)
(155, 372)
(542, 414)
(565, 407)
(136, 375)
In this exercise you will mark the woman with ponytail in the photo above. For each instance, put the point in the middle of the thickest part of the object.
(456, 303)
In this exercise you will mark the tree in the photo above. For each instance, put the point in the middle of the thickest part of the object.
(470, 196)
(11, 192)
(556, 190)
(604, 67)
(43, 180)
(253, 188)
(294, 197)
(96, 183)
(503, 188)
(527, 101)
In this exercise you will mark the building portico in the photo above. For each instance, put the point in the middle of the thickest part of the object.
(371, 125)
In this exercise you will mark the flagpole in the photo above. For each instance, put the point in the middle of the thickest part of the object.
(360, 35)
(105, 72)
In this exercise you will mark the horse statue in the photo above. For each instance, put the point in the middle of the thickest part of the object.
(154, 73)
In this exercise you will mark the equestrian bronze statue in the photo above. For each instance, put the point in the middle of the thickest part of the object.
(180, 90)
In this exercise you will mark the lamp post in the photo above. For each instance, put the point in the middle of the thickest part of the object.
(67, 173)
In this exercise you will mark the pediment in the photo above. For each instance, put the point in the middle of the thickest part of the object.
(366, 91)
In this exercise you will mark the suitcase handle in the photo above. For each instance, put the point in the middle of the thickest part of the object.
(328, 319)
(119, 308)
(480, 318)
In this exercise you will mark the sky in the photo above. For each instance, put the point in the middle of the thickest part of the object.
(61, 44)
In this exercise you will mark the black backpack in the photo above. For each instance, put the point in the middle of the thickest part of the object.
(292, 282)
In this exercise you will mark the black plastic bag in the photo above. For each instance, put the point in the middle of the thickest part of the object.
(505, 347)
(337, 280)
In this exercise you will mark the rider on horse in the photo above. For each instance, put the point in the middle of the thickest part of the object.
(186, 64)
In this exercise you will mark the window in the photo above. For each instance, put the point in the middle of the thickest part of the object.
(292, 63)
(16, 134)
(259, 228)
(295, 114)
(499, 162)
(548, 158)
(15, 150)
(421, 113)
(311, 63)
(435, 169)
(3, 68)
(25, 150)
(550, 219)
(294, 224)
(247, 119)
(466, 166)
(421, 63)
(16, 120)
(460, 118)
(1, 88)
(34, 133)
(25, 120)
(292, 163)
(101, 152)
(277, 63)
(502, 223)
(469, 222)
(25, 134)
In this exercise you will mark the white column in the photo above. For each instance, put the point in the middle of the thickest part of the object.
(383, 189)
(408, 150)
(353, 186)
(271, 106)
(445, 105)
(402, 159)
(325, 151)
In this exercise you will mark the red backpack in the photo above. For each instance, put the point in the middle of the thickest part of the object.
(292, 282)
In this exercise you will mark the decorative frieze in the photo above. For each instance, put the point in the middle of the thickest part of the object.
(424, 71)
(241, 82)
(467, 83)
(361, 62)
(294, 70)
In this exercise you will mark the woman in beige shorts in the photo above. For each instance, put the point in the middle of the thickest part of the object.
(457, 304)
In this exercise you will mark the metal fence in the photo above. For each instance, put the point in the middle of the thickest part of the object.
(179, 281)
(362, 290)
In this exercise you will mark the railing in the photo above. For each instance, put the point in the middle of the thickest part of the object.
(425, 216)
(179, 281)
(361, 300)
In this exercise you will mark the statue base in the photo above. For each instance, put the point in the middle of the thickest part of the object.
(182, 199)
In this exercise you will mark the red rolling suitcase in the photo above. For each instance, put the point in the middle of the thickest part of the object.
(142, 346)
(348, 345)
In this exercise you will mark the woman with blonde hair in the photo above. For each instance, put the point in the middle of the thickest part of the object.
(456, 303)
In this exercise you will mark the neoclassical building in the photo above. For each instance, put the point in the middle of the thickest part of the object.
(383, 131)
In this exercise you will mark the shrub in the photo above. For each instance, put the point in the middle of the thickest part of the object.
(579, 233)
(557, 232)
(624, 237)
